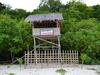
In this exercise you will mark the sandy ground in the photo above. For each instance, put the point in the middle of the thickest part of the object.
(77, 70)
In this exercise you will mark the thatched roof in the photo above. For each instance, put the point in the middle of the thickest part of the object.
(44, 17)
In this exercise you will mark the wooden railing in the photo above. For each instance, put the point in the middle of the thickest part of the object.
(51, 56)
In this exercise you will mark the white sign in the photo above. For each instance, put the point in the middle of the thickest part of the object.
(46, 31)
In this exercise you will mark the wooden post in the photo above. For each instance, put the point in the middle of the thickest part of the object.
(39, 56)
(50, 56)
(28, 57)
(63, 58)
(53, 56)
(77, 58)
(45, 56)
(35, 53)
(68, 56)
(31, 57)
(59, 49)
(25, 59)
(71, 56)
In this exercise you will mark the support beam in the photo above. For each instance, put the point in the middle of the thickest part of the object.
(46, 46)
(59, 49)
(35, 49)
(59, 43)
(47, 41)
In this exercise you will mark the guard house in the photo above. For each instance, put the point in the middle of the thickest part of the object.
(46, 35)
(46, 30)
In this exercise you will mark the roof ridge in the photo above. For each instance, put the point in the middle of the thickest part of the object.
(42, 17)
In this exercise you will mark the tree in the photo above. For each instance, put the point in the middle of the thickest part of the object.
(96, 13)
(50, 5)
(2, 7)
(84, 37)
(85, 59)
(16, 13)
(14, 35)
(7, 32)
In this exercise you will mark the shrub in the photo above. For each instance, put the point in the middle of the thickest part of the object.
(11, 73)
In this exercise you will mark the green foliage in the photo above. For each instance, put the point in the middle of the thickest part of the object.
(2, 7)
(85, 58)
(11, 73)
(61, 71)
(7, 28)
(84, 37)
(96, 13)
(14, 35)
(50, 5)
(20, 61)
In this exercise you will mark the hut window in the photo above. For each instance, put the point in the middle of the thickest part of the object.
(45, 24)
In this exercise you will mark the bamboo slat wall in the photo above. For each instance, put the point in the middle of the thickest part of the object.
(37, 31)
(51, 56)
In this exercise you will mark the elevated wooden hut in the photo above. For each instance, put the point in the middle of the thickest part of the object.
(46, 34)
(46, 28)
